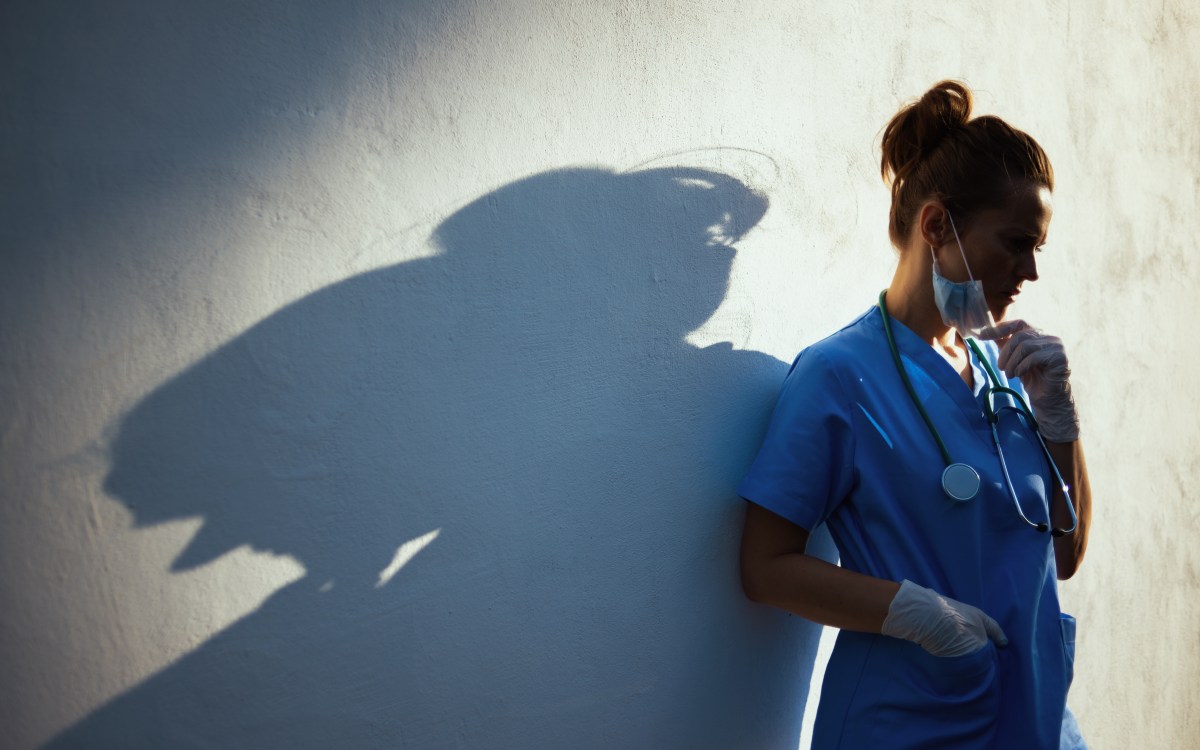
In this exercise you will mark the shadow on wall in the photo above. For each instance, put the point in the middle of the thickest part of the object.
(526, 408)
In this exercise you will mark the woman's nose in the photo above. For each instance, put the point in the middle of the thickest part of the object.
(1027, 267)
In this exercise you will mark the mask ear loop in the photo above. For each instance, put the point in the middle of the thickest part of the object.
(990, 320)
(961, 251)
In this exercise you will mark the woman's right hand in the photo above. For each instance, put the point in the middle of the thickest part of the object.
(939, 624)
(1040, 361)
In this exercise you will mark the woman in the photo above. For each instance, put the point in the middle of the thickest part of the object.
(951, 633)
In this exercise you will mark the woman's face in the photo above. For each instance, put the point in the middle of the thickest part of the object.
(1001, 245)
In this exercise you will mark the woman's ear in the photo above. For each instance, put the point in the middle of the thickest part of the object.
(932, 223)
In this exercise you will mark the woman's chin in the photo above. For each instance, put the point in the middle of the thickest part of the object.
(1000, 311)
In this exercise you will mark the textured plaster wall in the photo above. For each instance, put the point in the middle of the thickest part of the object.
(377, 374)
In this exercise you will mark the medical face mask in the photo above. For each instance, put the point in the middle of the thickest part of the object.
(962, 304)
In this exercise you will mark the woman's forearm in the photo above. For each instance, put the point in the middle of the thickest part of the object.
(776, 571)
(1069, 549)
(822, 592)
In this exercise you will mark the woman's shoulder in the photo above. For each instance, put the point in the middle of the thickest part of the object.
(841, 357)
(850, 345)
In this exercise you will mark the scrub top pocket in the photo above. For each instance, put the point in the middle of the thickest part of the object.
(1066, 624)
(921, 700)
(1071, 738)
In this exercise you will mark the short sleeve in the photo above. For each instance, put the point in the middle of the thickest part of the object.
(805, 466)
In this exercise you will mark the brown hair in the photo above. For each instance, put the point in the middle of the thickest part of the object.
(932, 148)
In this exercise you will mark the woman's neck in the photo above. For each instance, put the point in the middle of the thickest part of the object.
(910, 301)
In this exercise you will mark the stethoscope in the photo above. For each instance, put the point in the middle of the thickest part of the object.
(961, 481)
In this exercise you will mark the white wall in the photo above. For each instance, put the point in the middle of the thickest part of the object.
(361, 367)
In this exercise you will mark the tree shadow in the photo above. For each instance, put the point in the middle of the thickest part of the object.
(524, 411)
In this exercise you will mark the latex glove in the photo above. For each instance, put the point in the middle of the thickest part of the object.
(940, 625)
(1040, 362)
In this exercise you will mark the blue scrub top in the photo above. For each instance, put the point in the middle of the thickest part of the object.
(847, 447)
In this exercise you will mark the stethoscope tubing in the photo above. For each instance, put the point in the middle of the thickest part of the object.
(956, 483)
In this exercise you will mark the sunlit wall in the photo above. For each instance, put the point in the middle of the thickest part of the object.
(377, 374)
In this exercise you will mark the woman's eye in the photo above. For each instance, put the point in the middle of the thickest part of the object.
(1024, 244)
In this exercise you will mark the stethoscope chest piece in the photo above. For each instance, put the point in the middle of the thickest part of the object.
(960, 482)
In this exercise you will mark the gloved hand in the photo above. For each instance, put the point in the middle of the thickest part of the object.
(939, 624)
(1041, 364)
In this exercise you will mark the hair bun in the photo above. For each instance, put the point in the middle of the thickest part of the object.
(918, 128)
(944, 109)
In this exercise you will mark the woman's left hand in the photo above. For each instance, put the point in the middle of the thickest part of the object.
(1040, 361)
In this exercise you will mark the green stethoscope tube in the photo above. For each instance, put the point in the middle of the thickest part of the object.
(961, 481)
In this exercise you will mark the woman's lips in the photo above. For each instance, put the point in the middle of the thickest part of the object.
(1005, 299)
